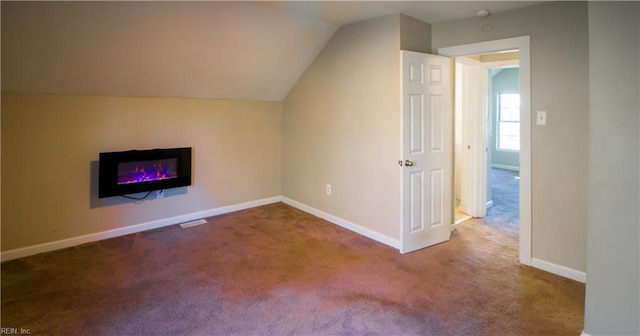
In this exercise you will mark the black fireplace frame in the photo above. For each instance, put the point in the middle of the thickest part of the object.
(108, 171)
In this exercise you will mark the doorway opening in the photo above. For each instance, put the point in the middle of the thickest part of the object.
(487, 140)
(479, 156)
(504, 145)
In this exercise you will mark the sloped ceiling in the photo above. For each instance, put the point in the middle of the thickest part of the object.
(179, 49)
(224, 49)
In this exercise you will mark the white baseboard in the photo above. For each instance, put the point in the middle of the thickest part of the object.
(584, 334)
(499, 166)
(345, 224)
(559, 270)
(69, 242)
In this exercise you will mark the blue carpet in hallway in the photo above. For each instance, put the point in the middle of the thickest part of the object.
(505, 212)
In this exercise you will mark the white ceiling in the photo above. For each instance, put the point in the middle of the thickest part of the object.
(223, 49)
(344, 12)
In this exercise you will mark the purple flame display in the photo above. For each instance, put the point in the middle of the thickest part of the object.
(144, 171)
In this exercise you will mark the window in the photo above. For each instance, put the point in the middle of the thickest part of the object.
(508, 121)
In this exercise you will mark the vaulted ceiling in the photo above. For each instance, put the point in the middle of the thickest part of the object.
(225, 49)
(344, 12)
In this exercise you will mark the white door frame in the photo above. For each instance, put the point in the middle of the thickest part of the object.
(521, 43)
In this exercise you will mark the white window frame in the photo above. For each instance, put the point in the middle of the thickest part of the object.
(498, 121)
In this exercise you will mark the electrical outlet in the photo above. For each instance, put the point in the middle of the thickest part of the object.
(160, 194)
(328, 189)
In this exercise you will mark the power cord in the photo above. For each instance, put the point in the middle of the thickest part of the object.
(136, 198)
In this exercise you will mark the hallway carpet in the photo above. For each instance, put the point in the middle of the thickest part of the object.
(505, 212)
(275, 270)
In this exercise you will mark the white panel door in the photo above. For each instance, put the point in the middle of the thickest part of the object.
(427, 126)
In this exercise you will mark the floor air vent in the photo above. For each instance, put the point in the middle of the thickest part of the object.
(193, 223)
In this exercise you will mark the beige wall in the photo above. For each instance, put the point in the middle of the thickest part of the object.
(415, 35)
(560, 86)
(612, 305)
(50, 141)
(341, 126)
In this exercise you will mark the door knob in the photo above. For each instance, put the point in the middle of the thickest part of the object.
(408, 163)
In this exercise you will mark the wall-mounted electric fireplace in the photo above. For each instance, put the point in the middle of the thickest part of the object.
(134, 171)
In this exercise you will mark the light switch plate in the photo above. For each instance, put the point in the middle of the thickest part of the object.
(541, 118)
